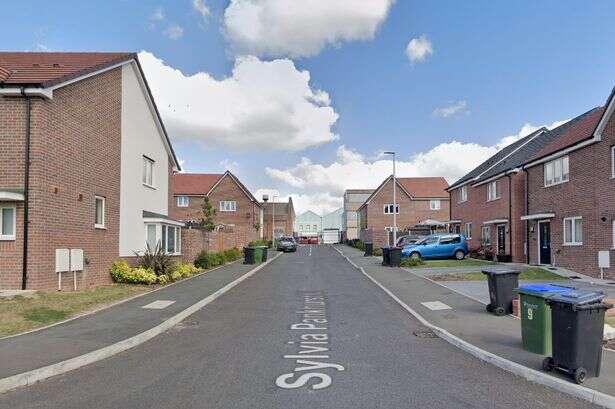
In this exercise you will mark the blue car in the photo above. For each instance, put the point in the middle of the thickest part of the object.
(438, 246)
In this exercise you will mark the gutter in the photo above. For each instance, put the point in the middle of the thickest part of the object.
(26, 183)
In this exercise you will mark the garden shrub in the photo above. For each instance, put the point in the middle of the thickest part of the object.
(411, 262)
(156, 260)
(232, 254)
(175, 275)
(186, 270)
(163, 279)
(122, 273)
(377, 252)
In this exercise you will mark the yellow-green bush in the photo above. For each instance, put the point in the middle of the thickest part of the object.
(122, 273)
(163, 279)
(186, 270)
(175, 275)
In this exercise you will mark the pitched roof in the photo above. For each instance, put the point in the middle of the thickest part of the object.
(570, 133)
(50, 68)
(280, 207)
(194, 183)
(425, 186)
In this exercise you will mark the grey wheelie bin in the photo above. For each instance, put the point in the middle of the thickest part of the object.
(577, 329)
(501, 285)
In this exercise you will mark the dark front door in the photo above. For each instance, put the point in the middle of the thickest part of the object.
(544, 245)
(501, 239)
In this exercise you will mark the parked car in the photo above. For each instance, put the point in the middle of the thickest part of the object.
(438, 246)
(408, 239)
(287, 243)
(304, 240)
(313, 240)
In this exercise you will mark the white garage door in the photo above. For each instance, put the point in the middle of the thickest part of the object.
(331, 236)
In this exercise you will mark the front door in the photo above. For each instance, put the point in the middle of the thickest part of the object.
(501, 239)
(544, 242)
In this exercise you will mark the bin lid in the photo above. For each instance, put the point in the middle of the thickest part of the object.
(544, 289)
(578, 297)
(500, 271)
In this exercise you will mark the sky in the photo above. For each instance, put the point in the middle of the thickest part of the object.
(301, 98)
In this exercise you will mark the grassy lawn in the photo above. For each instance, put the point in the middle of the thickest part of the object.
(454, 263)
(46, 307)
(610, 321)
(532, 273)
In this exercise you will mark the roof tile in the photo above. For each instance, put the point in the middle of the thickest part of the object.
(194, 183)
(425, 186)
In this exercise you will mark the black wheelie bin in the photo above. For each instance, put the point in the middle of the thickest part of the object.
(386, 260)
(369, 249)
(577, 325)
(501, 285)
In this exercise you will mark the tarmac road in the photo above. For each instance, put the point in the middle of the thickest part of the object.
(307, 331)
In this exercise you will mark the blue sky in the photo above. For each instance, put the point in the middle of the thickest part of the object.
(503, 66)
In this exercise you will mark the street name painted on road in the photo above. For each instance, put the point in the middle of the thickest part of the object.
(312, 344)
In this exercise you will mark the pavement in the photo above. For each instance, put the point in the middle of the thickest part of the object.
(467, 318)
(307, 331)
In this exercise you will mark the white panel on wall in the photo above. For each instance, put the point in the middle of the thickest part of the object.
(62, 260)
(76, 259)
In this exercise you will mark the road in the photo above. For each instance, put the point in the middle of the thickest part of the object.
(307, 331)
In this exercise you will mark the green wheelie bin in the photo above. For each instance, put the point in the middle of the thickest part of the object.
(258, 254)
(264, 253)
(536, 315)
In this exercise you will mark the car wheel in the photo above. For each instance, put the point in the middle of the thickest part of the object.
(459, 255)
(415, 255)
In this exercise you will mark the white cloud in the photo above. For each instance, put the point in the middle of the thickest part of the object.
(230, 165)
(201, 8)
(279, 28)
(450, 160)
(269, 104)
(454, 108)
(157, 14)
(320, 203)
(174, 31)
(419, 49)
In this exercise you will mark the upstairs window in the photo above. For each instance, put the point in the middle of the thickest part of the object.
(183, 201)
(7, 222)
(556, 171)
(434, 204)
(148, 171)
(228, 206)
(492, 191)
(462, 194)
(388, 208)
(315, 227)
(99, 213)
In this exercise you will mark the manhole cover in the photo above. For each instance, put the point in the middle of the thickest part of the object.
(425, 333)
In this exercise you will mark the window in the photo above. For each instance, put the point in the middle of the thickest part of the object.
(468, 231)
(183, 201)
(450, 240)
(388, 208)
(573, 231)
(556, 171)
(148, 171)
(300, 227)
(228, 205)
(7, 222)
(315, 228)
(390, 229)
(434, 204)
(613, 165)
(486, 235)
(171, 237)
(492, 191)
(462, 194)
(99, 214)
(151, 240)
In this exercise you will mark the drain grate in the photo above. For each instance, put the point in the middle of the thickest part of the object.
(424, 333)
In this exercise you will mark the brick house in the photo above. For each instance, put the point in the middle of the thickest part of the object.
(571, 194)
(418, 200)
(353, 199)
(84, 166)
(284, 218)
(488, 202)
(236, 208)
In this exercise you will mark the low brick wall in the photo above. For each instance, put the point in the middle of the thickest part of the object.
(378, 237)
(195, 240)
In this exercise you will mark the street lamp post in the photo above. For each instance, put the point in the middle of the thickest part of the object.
(394, 199)
(273, 221)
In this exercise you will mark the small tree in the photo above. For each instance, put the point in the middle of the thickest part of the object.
(207, 222)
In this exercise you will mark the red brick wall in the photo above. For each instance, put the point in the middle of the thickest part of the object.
(196, 240)
(590, 193)
(75, 154)
(477, 210)
(411, 212)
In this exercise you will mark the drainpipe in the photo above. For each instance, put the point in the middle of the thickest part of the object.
(510, 220)
(26, 183)
(527, 223)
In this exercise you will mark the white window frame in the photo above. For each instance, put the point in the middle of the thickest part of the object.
(613, 168)
(162, 228)
(435, 204)
(463, 194)
(183, 201)
(228, 206)
(492, 191)
(104, 208)
(555, 165)
(573, 231)
(391, 229)
(8, 237)
(156, 234)
(387, 208)
(486, 236)
(315, 227)
(147, 175)
(468, 230)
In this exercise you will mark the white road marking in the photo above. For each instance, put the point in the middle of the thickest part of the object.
(436, 305)
(158, 305)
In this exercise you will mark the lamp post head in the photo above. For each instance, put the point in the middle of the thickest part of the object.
(389, 153)
(265, 198)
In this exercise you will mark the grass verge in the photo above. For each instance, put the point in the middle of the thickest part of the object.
(21, 314)
(611, 321)
(532, 273)
(454, 263)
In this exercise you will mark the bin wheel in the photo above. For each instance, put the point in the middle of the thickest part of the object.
(579, 375)
(499, 311)
(489, 308)
(548, 364)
